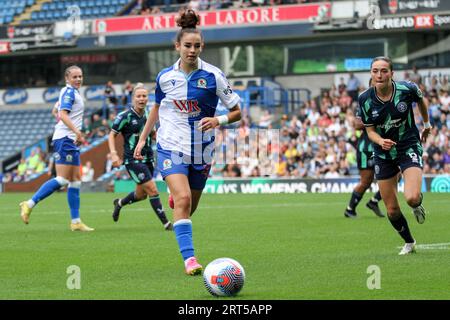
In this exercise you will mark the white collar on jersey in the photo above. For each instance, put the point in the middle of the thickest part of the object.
(176, 66)
(69, 86)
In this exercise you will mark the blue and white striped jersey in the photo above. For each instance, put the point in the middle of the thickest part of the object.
(71, 100)
(184, 100)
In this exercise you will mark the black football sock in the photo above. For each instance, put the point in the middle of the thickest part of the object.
(376, 197)
(401, 225)
(420, 202)
(354, 200)
(157, 207)
(129, 199)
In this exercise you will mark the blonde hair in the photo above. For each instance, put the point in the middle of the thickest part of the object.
(69, 69)
(138, 86)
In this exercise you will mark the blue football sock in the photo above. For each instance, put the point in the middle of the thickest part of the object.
(73, 197)
(183, 233)
(48, 188)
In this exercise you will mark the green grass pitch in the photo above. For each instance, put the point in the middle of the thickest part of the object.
(292, 247)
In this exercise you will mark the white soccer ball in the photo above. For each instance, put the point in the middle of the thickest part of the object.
(224, 277)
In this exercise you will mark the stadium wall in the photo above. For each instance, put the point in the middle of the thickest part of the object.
(96, 155)
(439, 183)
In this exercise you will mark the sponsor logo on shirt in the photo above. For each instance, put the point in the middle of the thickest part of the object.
(395, 123)
(227, 91)
(187, 106)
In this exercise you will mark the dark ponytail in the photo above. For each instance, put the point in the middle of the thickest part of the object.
(188, 21)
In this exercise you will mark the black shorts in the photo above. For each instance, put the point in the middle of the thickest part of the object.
(386, 169)
(365, 160)
(140, 172)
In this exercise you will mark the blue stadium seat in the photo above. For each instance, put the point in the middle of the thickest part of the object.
(49, 15)
(87, 12)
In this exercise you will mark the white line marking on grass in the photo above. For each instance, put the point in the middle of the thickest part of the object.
(433, 246)
(237, 206)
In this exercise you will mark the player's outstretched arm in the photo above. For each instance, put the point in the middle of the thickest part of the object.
(149, 124)
(64, 116)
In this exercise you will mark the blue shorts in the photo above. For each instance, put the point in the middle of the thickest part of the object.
(171, 162)
(140, 172)
(388, 168)
(66, 152)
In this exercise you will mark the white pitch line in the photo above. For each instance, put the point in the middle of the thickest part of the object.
(245, 206)
(433, 246)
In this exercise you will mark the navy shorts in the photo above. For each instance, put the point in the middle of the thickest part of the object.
(140, 172)
(171, 162)
(388, 168)
(365, 160)
(66, 152)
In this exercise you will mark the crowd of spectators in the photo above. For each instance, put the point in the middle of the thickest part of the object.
(318, 141)
(146, 7)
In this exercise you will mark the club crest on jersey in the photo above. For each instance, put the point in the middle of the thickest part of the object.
(69, 158)
(201, 83)
(402, 107)
(141, 176)
(167, 164)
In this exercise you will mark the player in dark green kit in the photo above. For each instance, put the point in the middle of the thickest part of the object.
(130, 124)
(365, 160)
(387, 113)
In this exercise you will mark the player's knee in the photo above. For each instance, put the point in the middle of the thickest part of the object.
(413, 199)
(183, 200)
(140, 196)
(62, 181)
(75, 184)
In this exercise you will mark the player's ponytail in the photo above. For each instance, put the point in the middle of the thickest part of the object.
(188, 20)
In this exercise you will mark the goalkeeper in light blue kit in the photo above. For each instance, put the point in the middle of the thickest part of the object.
(66, 139)
(187, 94)
(387, 113)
